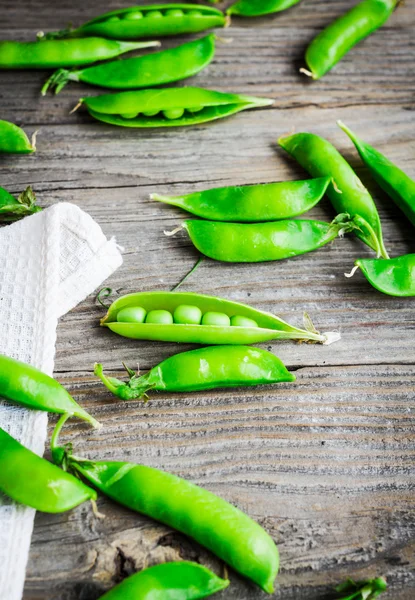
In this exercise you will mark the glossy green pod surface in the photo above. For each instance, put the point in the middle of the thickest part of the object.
(252, 203)
(397, 184)
(344, 33)
(50, 54)
(12, 209)
(31, 480)
(13, 139)
(253, 8)
(347, 194)
(171, 107)
(395, 277)
(169, 581)
(269, 326)
(192, 510)
(154, 20)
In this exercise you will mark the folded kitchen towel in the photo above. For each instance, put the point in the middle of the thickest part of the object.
(49, 263)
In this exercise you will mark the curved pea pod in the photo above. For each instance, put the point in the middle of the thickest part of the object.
(13, 139)
(347, 193)
(31, 480)
(157, 20)
(50, 54)
(340, 36)
(395, 277)
(203, 369)
(391, 179)
(252, 203)
(12, 209)
(159, 68)
(170, 581)
(23, 384)
(253, 8)
(268, 326)
(260, 242)
(211, 521)
(172, 107)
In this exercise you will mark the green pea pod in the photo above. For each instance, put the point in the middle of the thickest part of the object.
(260, 242)
(142, 71)
(12, 209)
(211, 521)
(395, 277)
(253, 8)
(29, 387)
(13, 139)
(169, 581)
(347, 193)
(203, 369)
(362, 590)
(31, 480)
(340, 36)
(155, 20)
(259, 326)
(50, 54)
(391, 179)
(252, 203)
(171, 107)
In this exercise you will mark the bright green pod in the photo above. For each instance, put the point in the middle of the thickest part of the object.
(182, 580)
(397, 184)
(346, 192)
(13, 209)
(202, 369)
(13, 139)
(31, 480)
(51, 54)
(137, 22)
(395, 277)
(213, 105)
(345, 32)
(253, 8)
(159, 68)
(260, 242)
(268, 327)
(252, 203)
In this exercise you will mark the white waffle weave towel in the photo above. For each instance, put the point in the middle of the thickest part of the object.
(49, 263)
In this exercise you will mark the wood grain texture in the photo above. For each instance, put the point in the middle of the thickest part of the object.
(325, 464)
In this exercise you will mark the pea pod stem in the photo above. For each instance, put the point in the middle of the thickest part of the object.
(12, 209)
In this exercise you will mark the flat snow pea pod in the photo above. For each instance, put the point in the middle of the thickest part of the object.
(395, 277)
(203, 369)
(157, 20)
(31, 480)
(169, 581)
(347, 193)
(211, 521)
(12, 209)
(255, 8)
(260, 242)
(268, 326)
(50, 54)
(171, 107)
(397, 184)
(252, 203)
(13, 139)
(29, 387)
(142, 71)
(345, 32)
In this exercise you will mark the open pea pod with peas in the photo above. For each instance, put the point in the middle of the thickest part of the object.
(200, 319)
(154, 20)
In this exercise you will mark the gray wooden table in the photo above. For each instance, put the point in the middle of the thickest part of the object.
(324, 464)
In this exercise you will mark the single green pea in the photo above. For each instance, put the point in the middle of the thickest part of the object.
(173, 113)
(131, 115)
(195, 13)
(150, 113)
(216, 318)
(154, 14)
(195, 109)
(132, 314)
(133, 16)
(174, 12)
(238, 321)
(187, 314)
(112, 19)
(161, 317)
